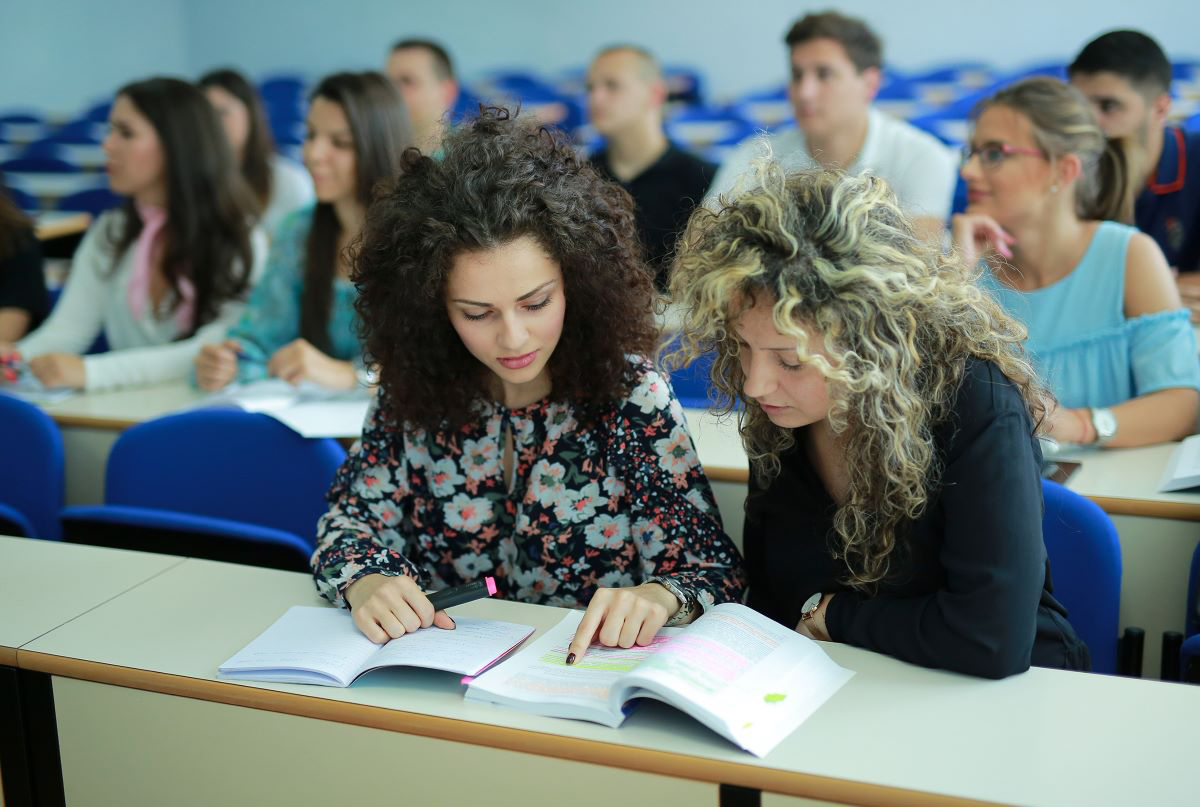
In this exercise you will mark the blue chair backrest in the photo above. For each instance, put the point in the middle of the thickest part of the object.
(38, 165)
(225, 464)
(31, 465)
(1085, 566)
(94, 201)
(1192, 621)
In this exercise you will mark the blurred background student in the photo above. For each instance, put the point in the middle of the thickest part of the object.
(23, 299)
(300, 323)
(1047, 194)
(167, 271)
(279, 184)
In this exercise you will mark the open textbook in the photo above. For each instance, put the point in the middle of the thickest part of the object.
(1183, 468)
(311, 645)
(746, 677)
(306, 408)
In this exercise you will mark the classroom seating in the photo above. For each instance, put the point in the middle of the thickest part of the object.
(214, 483)
(1085, 566)
(94, 201)
(32, 478)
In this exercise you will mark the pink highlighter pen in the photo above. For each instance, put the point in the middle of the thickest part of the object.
(450, 597)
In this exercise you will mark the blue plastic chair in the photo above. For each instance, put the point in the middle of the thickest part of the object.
(94, 201)
(701, 127)
(1190, 651)
(31, 470)
(26, 201)
(216, 483)
(38, 165)
(1085, 563)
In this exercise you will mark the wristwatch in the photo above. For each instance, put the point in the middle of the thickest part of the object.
(1105, 424)
(809, 609)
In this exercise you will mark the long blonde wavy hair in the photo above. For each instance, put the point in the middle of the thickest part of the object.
(897, 318)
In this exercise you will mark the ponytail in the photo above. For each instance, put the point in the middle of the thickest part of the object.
(1110, 196)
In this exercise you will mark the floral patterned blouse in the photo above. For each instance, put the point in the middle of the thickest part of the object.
(605, 506)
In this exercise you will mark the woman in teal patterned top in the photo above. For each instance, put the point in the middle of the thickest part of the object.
(1107, 329)
(300, 325)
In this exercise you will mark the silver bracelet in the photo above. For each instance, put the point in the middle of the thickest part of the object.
(687, 601)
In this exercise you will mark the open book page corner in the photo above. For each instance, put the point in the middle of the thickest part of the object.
(1183, 468)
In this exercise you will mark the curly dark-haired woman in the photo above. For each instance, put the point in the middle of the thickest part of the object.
(518, 434)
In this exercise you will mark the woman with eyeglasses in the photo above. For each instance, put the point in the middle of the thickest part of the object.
(1047, 197)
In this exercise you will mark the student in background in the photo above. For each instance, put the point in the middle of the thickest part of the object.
(300, 324)
(516, 433)
(836, 64)
(625, 97)
(23, 299)
(169, 270)
(424, 75)
(1107, 329)
(1127, 78)
(280, 185)
(895, 499)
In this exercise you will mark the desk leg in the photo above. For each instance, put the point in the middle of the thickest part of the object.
(29, 757)
(738, 796)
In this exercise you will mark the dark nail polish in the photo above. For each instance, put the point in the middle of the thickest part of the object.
(453, 624)
(570, 658)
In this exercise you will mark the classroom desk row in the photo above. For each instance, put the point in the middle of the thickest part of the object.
(1158, 530)
(110, 658)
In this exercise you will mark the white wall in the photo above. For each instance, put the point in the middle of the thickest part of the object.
(59, 54)
(62, 55)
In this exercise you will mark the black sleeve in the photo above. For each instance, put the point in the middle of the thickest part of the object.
(22, 283)
(752, 551)
(983, 619)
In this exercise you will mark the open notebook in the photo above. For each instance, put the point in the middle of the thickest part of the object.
(310, 645)
(306, 408)
(746, 677)
(25, 385)
(1183, 468)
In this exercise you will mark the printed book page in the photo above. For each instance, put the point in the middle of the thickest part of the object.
(473, 646)
(743, 675)
(1183, 468)
(538, 679)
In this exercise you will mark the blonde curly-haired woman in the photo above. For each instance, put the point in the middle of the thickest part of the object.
(889, 415)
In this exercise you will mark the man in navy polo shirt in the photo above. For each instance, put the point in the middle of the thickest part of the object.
(1127, 78)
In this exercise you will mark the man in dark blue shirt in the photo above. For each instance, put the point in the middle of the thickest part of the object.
(1127, 78)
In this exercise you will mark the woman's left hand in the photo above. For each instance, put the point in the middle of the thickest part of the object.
(59, 370)
(623, 617)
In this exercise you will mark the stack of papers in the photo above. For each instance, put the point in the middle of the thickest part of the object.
(307, 409)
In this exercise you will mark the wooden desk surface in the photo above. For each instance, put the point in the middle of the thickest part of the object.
(1124, 481)
(56, 225)
(44, 584)
(895, 734)
(120, 409)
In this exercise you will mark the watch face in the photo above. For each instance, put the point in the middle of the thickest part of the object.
(811, 604)
(1105, 423)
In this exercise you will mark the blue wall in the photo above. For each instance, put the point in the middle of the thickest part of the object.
(61, 54)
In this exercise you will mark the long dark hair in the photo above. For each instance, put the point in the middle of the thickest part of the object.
(209, 206)
(15, 226)
(379, 124)
(499, 179)
(260, 146)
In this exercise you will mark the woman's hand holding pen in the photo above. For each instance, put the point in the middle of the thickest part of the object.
(386, 607)
(623, 617)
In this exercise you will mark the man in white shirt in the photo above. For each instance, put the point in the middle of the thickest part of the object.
(836, 66)
(424, 75)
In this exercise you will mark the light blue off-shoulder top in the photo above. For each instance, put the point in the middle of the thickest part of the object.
(1084, 347)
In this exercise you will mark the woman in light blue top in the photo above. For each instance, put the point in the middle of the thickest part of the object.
(1107, 329)
(300, 324)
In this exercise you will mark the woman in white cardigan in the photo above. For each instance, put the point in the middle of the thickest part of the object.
(170, 270)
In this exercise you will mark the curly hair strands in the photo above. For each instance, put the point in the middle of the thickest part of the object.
(897, 320)
(499, 179)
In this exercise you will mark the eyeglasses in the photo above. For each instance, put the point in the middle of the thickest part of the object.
(993, 155)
